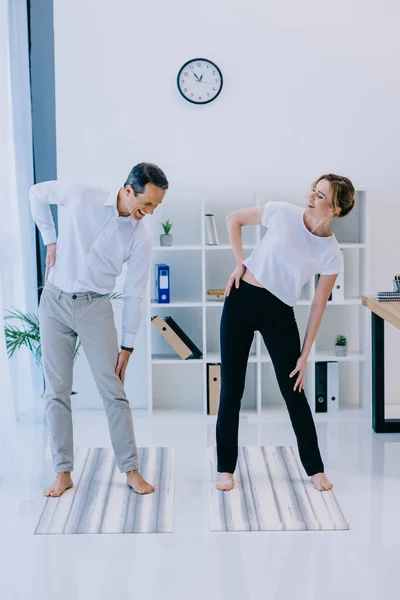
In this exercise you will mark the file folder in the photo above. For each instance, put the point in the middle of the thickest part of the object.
(213, 387)
(162, 284)
(176, 338)
(326, 386)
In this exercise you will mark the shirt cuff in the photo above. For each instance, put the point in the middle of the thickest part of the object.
(49, 236)
(128, 340)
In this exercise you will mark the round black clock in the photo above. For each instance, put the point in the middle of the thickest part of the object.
(199, 81)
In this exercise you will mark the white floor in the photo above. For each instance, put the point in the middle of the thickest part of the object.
(192, 562)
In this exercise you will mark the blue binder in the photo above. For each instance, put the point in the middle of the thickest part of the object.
(162, 284)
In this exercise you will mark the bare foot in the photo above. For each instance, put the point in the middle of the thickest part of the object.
(321, 483)
(62, 483)
(138, 484)
(225, 482)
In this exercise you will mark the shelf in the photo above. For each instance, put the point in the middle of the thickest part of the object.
(220, 303)
(347, 245)
(172, 360)
(215, 357)
(177, 305)
(331, 356)
(346, 302)
(183, 247)
(178, 248)
(229, 247)
(324, 356)
(265, 358)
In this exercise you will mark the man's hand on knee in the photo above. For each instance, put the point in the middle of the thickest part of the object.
(123, 359)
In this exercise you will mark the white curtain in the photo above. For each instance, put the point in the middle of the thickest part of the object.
(21, 379)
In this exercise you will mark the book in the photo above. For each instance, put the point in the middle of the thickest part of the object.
(211, 230)
(387, 296)
(176, 337)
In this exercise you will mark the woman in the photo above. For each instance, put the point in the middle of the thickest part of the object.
(260, 296)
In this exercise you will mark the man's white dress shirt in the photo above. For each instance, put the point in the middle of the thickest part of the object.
(94, 244)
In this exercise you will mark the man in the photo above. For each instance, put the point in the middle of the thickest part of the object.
(102, 230)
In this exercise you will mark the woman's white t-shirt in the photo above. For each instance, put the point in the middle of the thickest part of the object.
(289, 254)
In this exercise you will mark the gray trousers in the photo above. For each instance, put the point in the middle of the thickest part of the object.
(63, 318)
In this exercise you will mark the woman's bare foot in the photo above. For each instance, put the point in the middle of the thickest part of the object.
(61, 483)
(225, 482)
(321, 483)
(138, 484)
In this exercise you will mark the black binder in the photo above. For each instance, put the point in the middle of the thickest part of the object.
(321, 387)
(196, 352)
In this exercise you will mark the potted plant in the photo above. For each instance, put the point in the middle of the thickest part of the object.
(27, 333)
(341, 345)
(166, 237)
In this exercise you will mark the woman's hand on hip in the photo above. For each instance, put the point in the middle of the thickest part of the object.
(235, 278)
(300, 370)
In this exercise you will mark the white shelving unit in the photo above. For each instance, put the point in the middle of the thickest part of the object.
(177, 388)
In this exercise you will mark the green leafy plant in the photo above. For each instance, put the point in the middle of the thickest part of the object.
(25, 331)
(167, 226)
(341, 340)
(27, 334)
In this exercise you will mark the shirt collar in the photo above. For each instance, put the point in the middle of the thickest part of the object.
(111, 199)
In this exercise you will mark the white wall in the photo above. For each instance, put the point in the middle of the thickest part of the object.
(309, 87)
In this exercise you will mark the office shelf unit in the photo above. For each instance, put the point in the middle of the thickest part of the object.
(178, 388)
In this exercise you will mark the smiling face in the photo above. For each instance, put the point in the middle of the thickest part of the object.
(144, 203)
(320, 202)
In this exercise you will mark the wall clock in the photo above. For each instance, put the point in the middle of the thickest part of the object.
(199, 81)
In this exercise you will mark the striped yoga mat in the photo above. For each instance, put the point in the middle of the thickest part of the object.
(101, 502)
(271, 493)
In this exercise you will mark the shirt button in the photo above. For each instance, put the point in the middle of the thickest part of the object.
(74, 297)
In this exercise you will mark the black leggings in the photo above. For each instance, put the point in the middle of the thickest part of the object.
(246, 310)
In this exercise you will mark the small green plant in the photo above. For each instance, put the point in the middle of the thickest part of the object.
(27, 332)
(167, 226)
(341, 340)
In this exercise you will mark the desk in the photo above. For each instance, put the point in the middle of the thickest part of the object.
(381, 312)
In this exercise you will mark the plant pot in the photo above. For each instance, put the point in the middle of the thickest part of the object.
(341, 350)
(165, 239)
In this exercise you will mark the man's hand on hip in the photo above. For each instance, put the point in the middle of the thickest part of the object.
(123, 359)
(50, 258)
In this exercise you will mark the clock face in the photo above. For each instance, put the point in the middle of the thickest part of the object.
(199, 81)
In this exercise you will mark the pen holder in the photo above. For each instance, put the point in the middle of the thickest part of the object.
(396, 285)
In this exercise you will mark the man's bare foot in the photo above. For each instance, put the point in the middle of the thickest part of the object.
(225, 482)
(321, 483)
(61, 483)
(138, 484)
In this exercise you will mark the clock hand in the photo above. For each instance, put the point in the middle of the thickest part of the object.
(196, 77)
(201, 77)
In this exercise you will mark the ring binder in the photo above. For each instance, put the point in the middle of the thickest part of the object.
(177, 339)
(213, 387)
